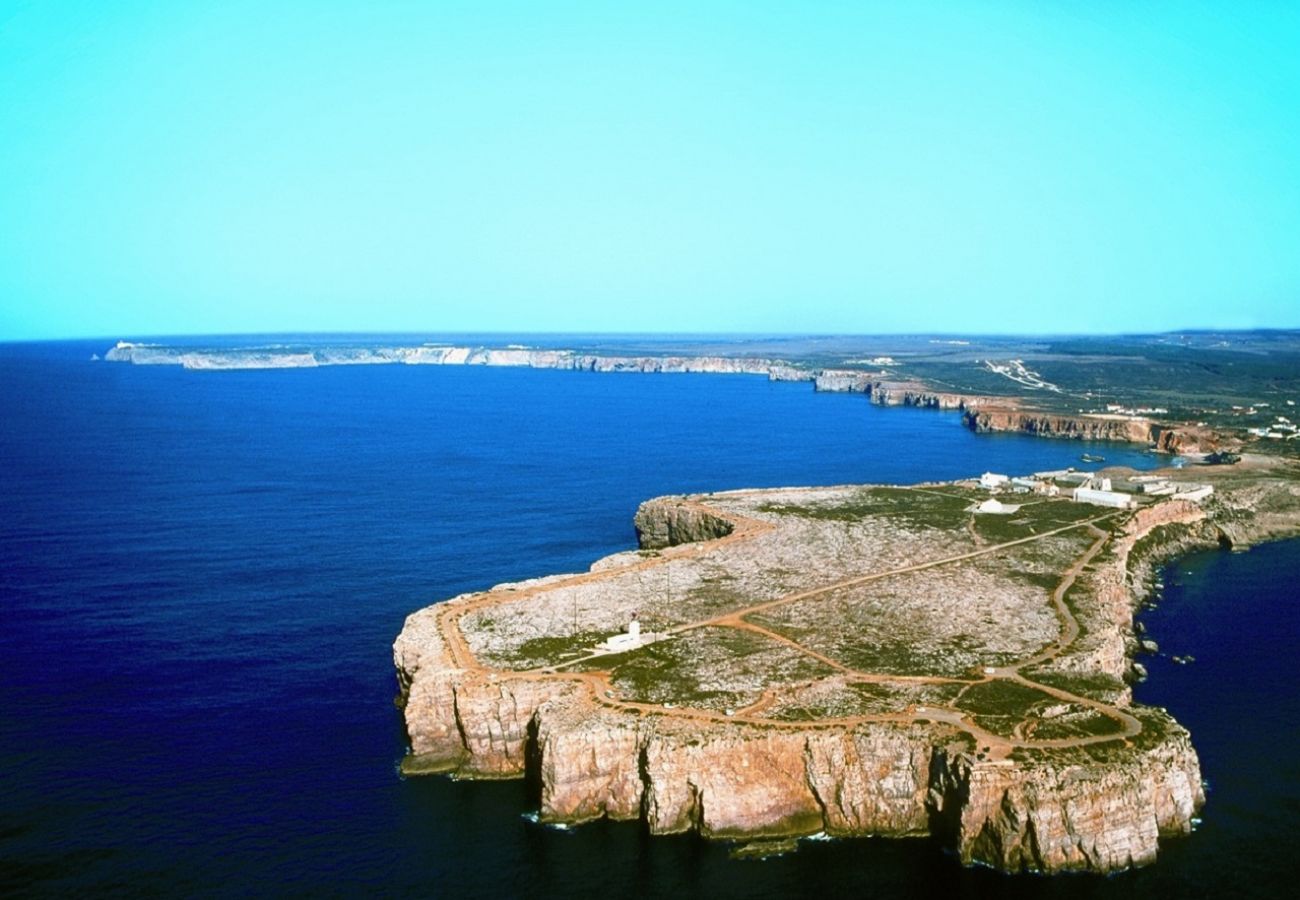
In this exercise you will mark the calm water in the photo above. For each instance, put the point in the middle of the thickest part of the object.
(202, 575)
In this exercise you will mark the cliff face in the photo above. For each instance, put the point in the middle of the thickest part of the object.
(1082, 427)
(662, 524)
(1077, 815)
(732, 780)
(889, 393)
(736, 780)
(987, 416)
(279, 357)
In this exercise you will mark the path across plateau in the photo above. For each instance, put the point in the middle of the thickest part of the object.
(991, 745)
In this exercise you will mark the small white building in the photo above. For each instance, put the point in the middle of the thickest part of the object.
(1103, 498)
(996, 507)
(628, 640)
(1197, 493)
(992, 481)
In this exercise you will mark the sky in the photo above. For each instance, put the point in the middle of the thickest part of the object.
(184, 167)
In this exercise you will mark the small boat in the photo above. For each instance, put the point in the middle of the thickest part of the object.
(1092, 457)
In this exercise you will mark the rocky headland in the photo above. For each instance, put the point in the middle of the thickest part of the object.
(847, 661)
(883, 387)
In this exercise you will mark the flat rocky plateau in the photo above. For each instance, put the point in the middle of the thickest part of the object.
(857, 660)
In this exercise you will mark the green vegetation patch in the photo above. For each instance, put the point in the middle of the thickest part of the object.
(1095, 686)
(888, 651)
(863, 698)
(908, 508)
(1034, 517)
(1157, 728)
(715, 594)
(709, 668)
(1079, 722)
(1000, 705)
(552, 650)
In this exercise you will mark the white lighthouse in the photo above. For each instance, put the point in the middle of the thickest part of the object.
(628, 640)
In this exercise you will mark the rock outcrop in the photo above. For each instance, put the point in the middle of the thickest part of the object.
(662, 524)
(991, 416)
(885, 392)
(1078, 815)
(987, 418)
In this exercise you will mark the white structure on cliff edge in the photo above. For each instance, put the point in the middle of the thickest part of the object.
(628, 640)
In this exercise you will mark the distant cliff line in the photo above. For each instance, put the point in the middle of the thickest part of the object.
(979, 413)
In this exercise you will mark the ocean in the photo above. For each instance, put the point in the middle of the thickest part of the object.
(203, 573)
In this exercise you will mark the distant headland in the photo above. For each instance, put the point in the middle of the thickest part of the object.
(1186, 393)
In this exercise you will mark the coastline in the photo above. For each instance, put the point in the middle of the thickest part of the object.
(981, 413)
(595, 756)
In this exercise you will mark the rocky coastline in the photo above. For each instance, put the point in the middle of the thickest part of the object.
(1042, 808)
(982, 414)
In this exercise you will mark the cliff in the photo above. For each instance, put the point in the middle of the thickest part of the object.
(982, 413)
(660, 525)
(885, 392)
(738, 780)
(987, 416)
(1078, 778)
(280, 357)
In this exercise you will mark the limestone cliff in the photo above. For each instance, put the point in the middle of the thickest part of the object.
(1091, 804)
(885, 392)
(734, 780)
(1079, 814)
(987, 416)
(660, 524)
(983, 414)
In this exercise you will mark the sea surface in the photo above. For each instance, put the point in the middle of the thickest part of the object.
(202, 574)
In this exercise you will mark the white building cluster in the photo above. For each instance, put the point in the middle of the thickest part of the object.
(1089, 487)
(1280, 429)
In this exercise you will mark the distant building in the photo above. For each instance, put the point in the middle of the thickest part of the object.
(1196, 492)
(1103, 498)
(1075, 479)
(993, 481)
(1145, 484)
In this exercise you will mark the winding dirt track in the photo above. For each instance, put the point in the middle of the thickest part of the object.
(992, 745)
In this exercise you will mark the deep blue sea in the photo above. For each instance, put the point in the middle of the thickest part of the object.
(202, 574)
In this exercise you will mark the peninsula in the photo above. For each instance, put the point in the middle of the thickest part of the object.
(858, 660)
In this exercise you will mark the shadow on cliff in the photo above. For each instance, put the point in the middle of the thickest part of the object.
(533, 766)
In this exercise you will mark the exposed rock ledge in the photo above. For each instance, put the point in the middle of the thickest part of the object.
(592, 755)
(991, 417)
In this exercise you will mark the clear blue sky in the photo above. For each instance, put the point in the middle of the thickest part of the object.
(187, 167)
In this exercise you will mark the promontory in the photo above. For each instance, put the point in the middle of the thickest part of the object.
(949, 658)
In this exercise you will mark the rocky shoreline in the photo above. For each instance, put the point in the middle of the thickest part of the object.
(980, 413)
(1040, 809)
